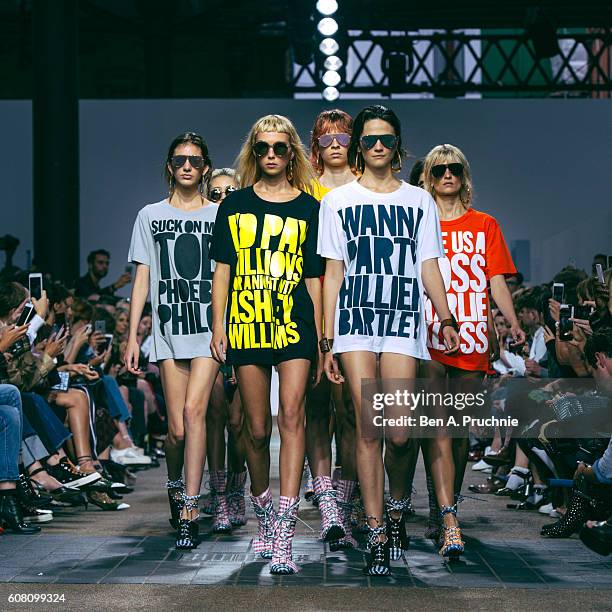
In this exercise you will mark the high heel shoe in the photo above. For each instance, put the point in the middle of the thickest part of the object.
(452, 543)
(397, 540)
(27, 494)
(571, 521)
(378, 563)
(11, 516)
(187, 536)
(176, 488)
(60, 496)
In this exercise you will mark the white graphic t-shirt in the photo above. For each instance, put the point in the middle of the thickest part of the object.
(382, 238)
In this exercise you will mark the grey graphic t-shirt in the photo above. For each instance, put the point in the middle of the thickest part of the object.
(175, 244)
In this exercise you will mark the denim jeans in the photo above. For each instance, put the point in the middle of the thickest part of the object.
(116, 404)
(10, 432)
(44, 422)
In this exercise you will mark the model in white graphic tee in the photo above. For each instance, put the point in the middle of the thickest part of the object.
(170, 245)
(381, 238)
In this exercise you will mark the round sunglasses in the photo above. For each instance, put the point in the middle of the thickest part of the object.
(327, 139)
(217, 192)
(261, 148)
(439, 170)
(195, 161)
(389, 141)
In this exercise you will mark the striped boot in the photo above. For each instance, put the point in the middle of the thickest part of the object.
(235, 498)
(266, 519)
(282, 559)
(331, 522)
(221, 520)
(345, 490)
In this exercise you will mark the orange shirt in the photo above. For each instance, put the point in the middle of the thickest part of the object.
(475, 251)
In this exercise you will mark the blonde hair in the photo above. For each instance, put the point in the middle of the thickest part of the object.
(449, 154)
(299, 171)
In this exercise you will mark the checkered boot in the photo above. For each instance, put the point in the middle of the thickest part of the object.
(346, 489)
(331, 522)
(235, 498)
(267, 519)
(221, 521)
(282, 561)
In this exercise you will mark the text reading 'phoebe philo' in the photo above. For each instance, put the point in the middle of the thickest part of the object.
(266, 274)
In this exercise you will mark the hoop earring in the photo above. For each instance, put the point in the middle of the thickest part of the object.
(399, 162)
(290, 170)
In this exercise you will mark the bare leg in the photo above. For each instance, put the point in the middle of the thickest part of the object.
(236, 435)
(358, 365)
(345, 416)
(293, 377)
(216, 419)
(254, 387)
(318, 440)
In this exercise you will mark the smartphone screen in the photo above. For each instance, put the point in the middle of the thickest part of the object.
(558, 291)
(35, 282)
(600, 274)
(26, 315)
(108, 338)
(100, 326)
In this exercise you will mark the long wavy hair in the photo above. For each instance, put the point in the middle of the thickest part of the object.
(299, 170)
(449, 154)
(327, 122)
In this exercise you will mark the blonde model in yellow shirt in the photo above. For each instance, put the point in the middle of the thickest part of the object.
(330, 138)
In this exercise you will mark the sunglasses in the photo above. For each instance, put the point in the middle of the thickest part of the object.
(439, 170)
(217, 192)
(261, 148)
(195, 161)
(387, 140)
(326, 140)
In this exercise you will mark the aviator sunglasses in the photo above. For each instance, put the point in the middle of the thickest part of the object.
(439, 170)
(387, 140)
(327, 139)
(195, 161)
(261, 148)
(217, 192)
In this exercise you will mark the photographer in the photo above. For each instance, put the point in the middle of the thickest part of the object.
(88, 286)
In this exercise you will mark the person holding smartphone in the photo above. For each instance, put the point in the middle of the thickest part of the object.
(267, 273)
(98, 263)
(476, 257)
(382, 241)
(170, 248)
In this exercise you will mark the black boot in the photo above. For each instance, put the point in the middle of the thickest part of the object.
(397, 540)
(187, 536)
(176, 488)
(571, 521)
(11, 516)
(28, 495)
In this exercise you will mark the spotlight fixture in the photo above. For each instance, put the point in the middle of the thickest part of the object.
(329, 46)
(328, 26)
(333, 62)
(331, 78)
(330, 94)
(327, 7)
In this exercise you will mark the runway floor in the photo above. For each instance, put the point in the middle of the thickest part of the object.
(131, 559)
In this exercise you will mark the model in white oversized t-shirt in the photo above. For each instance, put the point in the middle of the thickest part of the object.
(382, 238)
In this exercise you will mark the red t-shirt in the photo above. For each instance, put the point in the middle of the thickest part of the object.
(475, 251)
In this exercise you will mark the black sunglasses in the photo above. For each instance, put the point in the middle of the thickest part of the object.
(195, 161)
(439, 170)
(217, 192)
(261, 148)
(387, 140)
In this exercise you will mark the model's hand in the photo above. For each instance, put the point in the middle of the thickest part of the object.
(518, 335)
(218, 345)
(317, 369)
(131, 356)
(331, 368)
(451, 340)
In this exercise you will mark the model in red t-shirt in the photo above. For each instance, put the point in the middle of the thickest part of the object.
(476, 258)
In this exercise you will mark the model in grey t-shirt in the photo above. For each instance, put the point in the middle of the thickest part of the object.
(174, 244)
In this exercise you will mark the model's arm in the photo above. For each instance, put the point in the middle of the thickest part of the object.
(434, 285)
(313, 285)
(220, 289)
(140, 291)
(334, 276)
(503, 298)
